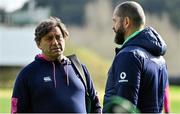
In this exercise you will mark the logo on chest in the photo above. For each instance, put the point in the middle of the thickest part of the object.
(47, 79)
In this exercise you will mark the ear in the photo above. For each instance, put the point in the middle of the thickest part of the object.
(126, 22)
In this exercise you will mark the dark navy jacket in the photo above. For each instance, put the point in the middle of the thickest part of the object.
(139, 72)
(45, 86)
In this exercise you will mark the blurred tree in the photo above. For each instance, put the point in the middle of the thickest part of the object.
(73, 11)
(70, 11)
(171, 7)
(2, 15)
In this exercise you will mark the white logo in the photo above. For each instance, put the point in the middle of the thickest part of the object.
(122, 77)
(47, 79)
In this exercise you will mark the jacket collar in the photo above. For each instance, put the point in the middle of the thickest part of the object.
(65, 60)
(117, 50)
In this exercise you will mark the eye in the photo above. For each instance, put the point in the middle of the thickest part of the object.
(59, 37)
(49, 38)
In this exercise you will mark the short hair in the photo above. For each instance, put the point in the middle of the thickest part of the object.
(133, 10)
(47, 25)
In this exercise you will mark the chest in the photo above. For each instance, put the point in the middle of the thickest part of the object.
(55, 80)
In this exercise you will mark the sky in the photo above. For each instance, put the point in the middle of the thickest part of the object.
(11, 5)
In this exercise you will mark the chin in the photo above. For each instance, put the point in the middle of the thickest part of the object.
(119, 38)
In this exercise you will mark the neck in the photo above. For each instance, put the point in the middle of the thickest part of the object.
(131, 31)
(59, 58)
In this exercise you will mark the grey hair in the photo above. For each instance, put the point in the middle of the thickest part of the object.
(47, 25)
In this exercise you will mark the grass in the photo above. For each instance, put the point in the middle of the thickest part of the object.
(175, 98)
(5, 105)
(5, 96)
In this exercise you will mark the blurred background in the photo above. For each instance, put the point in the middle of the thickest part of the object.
(91, 37)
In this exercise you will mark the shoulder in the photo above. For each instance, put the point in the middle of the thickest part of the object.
(30, 67)
(131, 52)
(134, 50)
(28, 70)
(130, 55)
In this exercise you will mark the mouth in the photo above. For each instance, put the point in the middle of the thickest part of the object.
(56, 49)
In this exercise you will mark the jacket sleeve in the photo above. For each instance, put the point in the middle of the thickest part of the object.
(96, 108)
(126, 72)
(20, 96)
